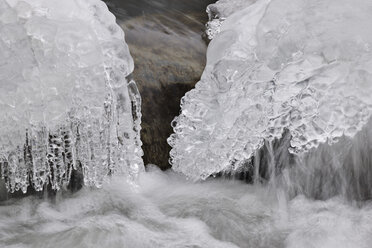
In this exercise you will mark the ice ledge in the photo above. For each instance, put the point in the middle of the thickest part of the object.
(65, 102)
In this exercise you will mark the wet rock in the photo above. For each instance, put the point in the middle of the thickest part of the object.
(166, 43)
(77, 179)
(167, 65)
(3, 191)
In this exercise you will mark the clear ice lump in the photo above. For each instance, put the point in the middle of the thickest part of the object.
(65, 102)
(296, 65)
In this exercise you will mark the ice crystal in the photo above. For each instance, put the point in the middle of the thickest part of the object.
(297, 65)
(65, 102)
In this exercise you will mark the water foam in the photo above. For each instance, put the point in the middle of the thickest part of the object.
(169, 211)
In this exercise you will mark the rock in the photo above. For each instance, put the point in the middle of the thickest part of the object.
(169, 56)
(77, 180)
(3, 191)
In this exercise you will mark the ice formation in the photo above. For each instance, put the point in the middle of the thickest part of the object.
(65, 102)
(219, 11)
(297, 66)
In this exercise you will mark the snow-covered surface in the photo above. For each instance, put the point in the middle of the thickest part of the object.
(65, 101)
(300, 65)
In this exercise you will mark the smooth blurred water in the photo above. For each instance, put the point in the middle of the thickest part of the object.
(168, 211)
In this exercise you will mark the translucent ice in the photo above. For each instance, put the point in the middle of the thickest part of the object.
(297, 65)
(219, 11)
(65, 101)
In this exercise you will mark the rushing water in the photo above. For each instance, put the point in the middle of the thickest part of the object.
(215, 213)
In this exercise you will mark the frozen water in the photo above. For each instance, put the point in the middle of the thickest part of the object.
(219, 11)
(296, 65)
(65, 102)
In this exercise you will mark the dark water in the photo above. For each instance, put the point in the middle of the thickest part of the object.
(166, 43)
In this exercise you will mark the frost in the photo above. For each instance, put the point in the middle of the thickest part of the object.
(65, 102)
(297, 65)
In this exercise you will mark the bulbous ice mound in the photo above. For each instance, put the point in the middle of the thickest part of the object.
(65, 102)
(298, 65)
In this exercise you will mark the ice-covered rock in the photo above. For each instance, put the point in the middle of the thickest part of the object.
(297, 65)
(65, 101)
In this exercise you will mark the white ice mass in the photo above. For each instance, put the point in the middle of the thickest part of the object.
(65, 102)
(298, 65)
(219, 11)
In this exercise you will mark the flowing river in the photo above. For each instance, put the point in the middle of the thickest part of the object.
(168, 211)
